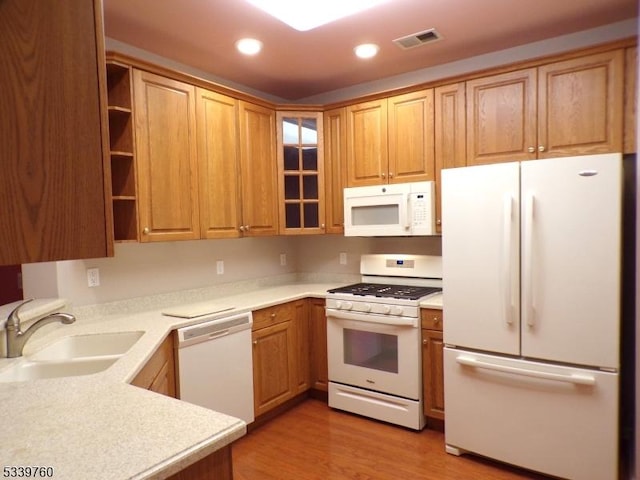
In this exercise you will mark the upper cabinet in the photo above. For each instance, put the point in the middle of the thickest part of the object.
(218, 162)
(258, 170)
(53, 132)
(166, 154)
(450, 134)
(566, 108)
(335, 163)
(391, 140)
(630, 99)
(301, 172)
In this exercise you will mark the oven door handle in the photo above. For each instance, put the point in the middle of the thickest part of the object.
(369, 318)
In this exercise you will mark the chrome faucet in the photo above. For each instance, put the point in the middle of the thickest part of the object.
(16, 338)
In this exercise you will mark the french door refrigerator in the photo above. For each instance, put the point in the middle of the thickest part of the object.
(531, 283)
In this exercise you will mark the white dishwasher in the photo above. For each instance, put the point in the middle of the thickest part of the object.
(215, 366)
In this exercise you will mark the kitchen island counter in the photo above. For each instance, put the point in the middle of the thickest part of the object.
(99, 426)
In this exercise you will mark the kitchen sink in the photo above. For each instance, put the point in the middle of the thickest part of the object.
(93, 345)
(29, 370)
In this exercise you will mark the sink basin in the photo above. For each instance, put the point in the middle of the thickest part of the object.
(93, 345)
(28, 370)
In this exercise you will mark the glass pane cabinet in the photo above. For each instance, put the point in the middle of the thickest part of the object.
(300, 167)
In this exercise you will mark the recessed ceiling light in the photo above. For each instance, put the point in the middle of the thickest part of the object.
(366, 50)
(249, 46)
(305, 15)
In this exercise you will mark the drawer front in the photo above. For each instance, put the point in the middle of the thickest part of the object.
(431, 318)
(269, 316)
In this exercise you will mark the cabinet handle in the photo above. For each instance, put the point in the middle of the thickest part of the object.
(273, 315)
(531, 149)
(438, 222)
(390, 175)
(255, 342)
(436, 320)
(146, 230)
(541, 148)
(424, 342)
(246, 227)
(383, 175)
(242, 228)
(322, 226)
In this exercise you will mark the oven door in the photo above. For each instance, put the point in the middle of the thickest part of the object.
(376, 352)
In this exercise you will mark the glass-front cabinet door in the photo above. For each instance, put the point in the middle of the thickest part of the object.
(301, 173)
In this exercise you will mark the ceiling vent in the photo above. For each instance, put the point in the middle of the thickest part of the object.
(417, 39)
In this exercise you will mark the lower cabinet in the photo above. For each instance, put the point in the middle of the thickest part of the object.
(158, 375)
(280, 354)
(318, 345)
(432, 363)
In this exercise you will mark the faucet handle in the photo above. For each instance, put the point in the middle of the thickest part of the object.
(13, 319)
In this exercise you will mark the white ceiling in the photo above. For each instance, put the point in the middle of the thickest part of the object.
(295, 65)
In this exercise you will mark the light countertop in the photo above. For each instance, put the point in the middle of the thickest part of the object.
(432, 301)
(98, 426)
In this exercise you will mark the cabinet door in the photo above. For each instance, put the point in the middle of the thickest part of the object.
(318, 345)
(367, 154)
(301, 172)
(630, 99)
(53, 132)
(301, 358)
(433, 373)
(165, 113)
(335, 162)
(273, 367)
(580, 105)
(411, 137)
(501, 118)
(218, 164)
(450, 131)
(258, 170)
(158, 374)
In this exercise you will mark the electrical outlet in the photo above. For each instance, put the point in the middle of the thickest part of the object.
(283, 259)
(93, 277)
(220, 267)
(343, 258)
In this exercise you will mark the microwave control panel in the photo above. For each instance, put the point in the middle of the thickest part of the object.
(420, 212)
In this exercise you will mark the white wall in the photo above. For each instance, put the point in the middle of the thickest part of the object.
(152, 268)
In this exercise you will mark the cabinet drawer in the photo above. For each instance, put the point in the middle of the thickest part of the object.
(431, 319)
(272, 315)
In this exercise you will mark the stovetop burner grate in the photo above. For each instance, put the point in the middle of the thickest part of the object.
(380, 290)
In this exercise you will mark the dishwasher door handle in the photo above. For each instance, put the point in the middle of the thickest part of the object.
(221, 333)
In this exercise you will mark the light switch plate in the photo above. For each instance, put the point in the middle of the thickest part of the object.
(343, 258)
(283, 259)
(93, 277)
(220, 267)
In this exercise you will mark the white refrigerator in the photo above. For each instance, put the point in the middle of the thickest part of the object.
(531, 283)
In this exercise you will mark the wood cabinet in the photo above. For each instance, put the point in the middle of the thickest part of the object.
(630, 99)
(215, 466)
(300, 155)
(218, 164)
(122, 151)
(450, 135)
(318, 345)
(432, 363)
(566, 108)
(258, 169)
(158, 374)
(54, 185)
(335, 150)
(391, 140)
(280, 354)
(166, 155)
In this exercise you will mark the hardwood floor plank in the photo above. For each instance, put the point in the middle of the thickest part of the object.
(314, 442)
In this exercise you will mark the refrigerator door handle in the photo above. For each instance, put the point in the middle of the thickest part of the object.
(529, 310)
(577, 379)
(507, 249)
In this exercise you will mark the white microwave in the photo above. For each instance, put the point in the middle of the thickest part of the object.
(399, 209)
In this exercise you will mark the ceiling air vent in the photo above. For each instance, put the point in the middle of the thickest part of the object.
(417, 39)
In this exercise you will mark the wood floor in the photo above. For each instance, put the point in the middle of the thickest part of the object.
(313, 442)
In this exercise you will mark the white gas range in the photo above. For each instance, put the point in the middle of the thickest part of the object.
(373, 338)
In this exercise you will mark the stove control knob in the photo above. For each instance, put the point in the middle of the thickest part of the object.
(366, 307)
(396, 310)
(347, 305)
(338, 304)
(386, 309)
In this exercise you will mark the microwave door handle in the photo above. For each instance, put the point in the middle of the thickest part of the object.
(408, 216)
